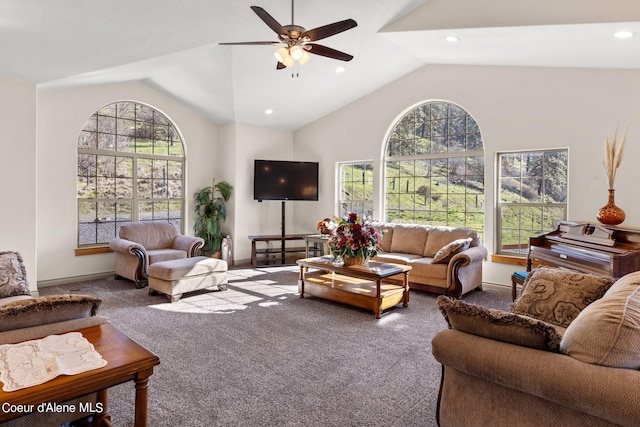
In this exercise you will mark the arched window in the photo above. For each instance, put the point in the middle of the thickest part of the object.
(130, 168)
(434, 168)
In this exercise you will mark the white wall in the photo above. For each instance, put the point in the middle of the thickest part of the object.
(516, 108)
(18, 172)
(250, 216)
(61, 115)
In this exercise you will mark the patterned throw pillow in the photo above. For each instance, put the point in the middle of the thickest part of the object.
(13, 275)
(498, 325)
(557, 296)
(445, 254)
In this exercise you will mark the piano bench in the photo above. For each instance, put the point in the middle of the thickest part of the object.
(517, 278)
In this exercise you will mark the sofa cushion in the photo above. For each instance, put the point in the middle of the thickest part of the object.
(498, 325)
(441, 236)
(13, 275)
(557, 296)
(607, 332)
(444, 255)
(46, 309)
(395, 258)
(426, 268)
(409, 238)
(385, 235)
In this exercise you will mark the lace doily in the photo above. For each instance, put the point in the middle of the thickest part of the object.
(35, 362)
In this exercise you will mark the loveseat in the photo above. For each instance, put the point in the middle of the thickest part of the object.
(141, 244)
(577, 367)
(444, 260)
(25, 318)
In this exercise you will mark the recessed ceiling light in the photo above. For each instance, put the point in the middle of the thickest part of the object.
(452, 39)
(268, 111)
(623, 34)
(340, 70)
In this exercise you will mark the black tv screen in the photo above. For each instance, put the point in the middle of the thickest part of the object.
(285, 180)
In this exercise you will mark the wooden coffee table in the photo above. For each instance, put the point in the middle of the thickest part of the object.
(126, 361)
(370, 287)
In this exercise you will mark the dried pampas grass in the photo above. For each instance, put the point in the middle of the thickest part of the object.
(613, 156)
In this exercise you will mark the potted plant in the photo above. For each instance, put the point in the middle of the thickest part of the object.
(211, 213)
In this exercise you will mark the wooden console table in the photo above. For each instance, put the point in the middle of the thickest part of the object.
(126, 361)
(281, 251)
(366, 286)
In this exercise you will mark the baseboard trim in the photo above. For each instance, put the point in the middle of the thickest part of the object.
(63, 281)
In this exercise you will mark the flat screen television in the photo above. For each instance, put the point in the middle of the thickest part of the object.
(285, 180)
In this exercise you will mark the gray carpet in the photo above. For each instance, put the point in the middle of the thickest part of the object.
(258, 355)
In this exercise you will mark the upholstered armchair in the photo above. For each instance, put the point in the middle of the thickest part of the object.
(143, 243)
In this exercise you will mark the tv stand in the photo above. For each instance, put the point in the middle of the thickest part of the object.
(272, 255)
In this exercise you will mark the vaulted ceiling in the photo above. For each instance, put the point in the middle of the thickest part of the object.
(172, 45)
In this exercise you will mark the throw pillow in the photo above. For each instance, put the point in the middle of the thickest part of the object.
(13, 275)
(608, 331)
(46, 309)
(557, 296)
(440, 236)
(445, 254)
(498, 325)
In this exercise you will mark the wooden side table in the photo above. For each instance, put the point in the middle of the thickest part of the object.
(126, 361)
(517, 278)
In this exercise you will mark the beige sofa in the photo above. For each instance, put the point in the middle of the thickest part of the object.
(24, 318)
(444, 260)
(509, 369)
(141, 244)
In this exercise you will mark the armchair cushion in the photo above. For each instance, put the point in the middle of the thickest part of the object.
(557, 296)
(47, 309)
(150, 235)
(607, 332)
(13, 275)
(498, 325)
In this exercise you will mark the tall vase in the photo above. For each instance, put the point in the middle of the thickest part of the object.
(610, 214)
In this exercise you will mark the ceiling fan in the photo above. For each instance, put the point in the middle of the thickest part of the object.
(297, 40)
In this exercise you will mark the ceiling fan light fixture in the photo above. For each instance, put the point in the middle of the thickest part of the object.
(296, 52)
(288, 61)
(305, 58)
(282, 54)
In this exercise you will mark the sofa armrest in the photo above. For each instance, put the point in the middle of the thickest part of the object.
(190, 244)
(612, 394)
(472, 254)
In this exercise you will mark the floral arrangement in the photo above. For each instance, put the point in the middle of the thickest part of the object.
(613, 157)
(326, 226)
(354, 237)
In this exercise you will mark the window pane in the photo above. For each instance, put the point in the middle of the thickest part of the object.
(533, 192)
(140, 158)
(431, 187)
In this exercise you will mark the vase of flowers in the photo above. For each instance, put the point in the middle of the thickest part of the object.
(326, 225)
(354, 240)
(610, 213)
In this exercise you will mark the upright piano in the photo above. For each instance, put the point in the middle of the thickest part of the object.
(590, 248)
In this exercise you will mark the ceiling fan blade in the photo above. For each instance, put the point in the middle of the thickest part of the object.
(329, 30)
(318, 49)
(280, 66)
(269, 20)
(253, 43)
